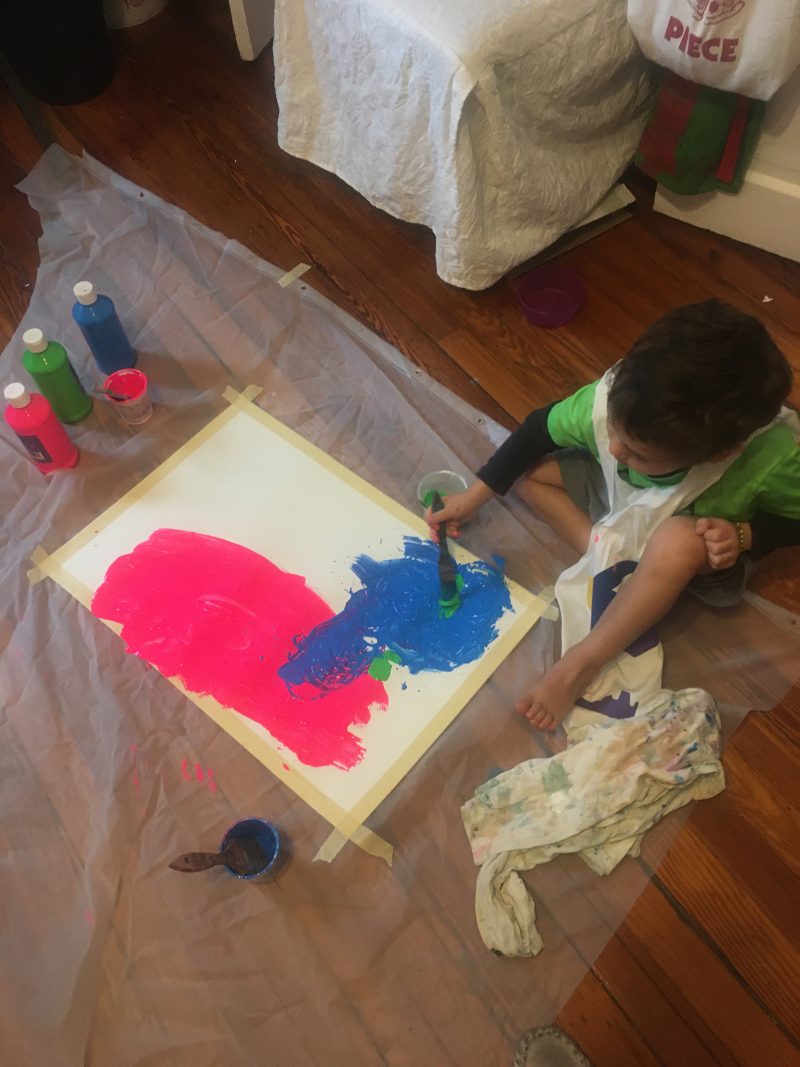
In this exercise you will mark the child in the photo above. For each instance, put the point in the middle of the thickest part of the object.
(702, 384)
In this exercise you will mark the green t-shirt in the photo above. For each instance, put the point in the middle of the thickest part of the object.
(765, 478)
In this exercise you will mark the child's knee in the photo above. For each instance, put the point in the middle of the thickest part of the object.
(675, 540)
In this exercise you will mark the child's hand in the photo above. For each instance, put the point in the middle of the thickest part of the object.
(721, 541)
(458, 508)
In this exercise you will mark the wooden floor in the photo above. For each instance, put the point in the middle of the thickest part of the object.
(705, 970)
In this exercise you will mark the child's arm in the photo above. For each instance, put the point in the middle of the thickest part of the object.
(523, 449)
(770, 532)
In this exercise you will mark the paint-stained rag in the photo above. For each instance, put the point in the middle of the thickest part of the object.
(597, 798)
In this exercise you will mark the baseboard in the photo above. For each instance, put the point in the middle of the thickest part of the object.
(764, 213)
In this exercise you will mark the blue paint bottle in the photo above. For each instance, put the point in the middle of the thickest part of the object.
(102, 330)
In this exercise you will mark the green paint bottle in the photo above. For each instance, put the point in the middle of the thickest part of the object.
(49, 366)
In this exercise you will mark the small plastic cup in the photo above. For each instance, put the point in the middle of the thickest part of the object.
(443, 482)
(265, 835)
(131, 384)
(551, 295)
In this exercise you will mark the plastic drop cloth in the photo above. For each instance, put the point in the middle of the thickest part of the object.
(107, 772)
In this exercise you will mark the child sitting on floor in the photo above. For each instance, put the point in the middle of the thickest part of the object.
(704, 383)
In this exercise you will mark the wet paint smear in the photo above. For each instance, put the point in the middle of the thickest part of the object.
(395, 616)
(229, 623)
(223, 619)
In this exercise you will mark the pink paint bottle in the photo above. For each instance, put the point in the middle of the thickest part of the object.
(32, 419)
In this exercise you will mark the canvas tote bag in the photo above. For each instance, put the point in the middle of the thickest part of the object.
(749, 47)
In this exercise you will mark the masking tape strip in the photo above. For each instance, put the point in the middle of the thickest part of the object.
(550, 610)
(39, 560)
(243, 399)
(294, 274)
(363, 837)
(348, 825)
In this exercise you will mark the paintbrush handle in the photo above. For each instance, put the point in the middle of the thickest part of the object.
(437, 504)
(243, 855)
(198, 861)
(110, 395)
(447, 565)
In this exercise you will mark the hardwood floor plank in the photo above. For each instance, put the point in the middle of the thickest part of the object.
(705, 992)
(604, 1032)
(744, 896)
(658, 1021)
(19, 223)
(16, 137)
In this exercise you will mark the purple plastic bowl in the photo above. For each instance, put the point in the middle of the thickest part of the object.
(551, 295)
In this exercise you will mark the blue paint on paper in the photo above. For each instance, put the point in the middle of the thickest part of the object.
(396, 611)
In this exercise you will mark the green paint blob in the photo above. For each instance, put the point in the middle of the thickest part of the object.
(555, 778)
(451, 606)
(380, 669)
(381, 666)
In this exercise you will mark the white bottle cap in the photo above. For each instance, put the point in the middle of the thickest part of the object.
(34, 340)
(17, 395)
(85, 292)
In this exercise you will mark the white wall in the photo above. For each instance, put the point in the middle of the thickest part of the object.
(766, 211)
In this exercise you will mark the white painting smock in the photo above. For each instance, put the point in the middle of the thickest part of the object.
(632, 681)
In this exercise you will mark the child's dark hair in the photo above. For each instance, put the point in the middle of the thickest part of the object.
(700, 381)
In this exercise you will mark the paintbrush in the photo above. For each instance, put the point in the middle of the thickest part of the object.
(111, 395)
(449, 596)
(243, 855)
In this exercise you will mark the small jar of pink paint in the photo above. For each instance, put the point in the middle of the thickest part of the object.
(127, 391)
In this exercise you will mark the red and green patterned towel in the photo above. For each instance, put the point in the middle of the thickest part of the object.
(699, 139)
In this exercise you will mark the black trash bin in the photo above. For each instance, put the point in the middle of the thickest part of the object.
(59, 49)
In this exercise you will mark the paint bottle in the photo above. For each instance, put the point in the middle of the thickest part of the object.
(102, 330)
(48, 364)
(32, 419)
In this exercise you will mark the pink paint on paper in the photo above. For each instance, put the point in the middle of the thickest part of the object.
(223, 619)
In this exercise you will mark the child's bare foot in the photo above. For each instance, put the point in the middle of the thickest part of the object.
(554, 696)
